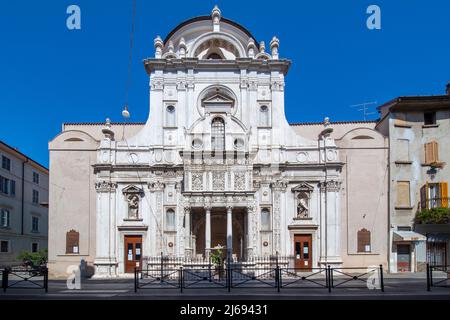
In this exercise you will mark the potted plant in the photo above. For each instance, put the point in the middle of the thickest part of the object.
(217, 260)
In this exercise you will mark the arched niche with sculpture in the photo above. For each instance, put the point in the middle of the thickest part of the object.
(302, 195)
(133, 196)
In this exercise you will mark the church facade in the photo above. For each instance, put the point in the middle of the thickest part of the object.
(215, 167)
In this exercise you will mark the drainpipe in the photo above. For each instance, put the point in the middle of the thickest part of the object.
(23, 196)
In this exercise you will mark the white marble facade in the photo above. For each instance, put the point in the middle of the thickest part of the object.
(216, 140)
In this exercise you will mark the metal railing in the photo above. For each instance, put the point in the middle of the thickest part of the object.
(235, 275)
(434, 203)
(440, 282)
(25, 278)
(353, 278)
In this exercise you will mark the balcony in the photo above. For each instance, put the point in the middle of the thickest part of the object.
(433, 211)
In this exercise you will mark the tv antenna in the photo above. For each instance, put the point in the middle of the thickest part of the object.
(364, 108)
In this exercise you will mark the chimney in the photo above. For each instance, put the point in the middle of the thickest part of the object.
(447, 89)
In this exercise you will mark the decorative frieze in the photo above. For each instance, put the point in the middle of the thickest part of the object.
(239, 181)
(218, 181)
(156, 186)
(105, 186)
(197, 181)
(330, 186)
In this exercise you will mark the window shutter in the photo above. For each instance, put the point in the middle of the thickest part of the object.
(435, 151)
(72, 240)
(444, 194)
(428, 153)
(13, 188)
(423, 197)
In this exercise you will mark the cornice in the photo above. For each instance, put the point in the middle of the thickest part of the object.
(152, 64)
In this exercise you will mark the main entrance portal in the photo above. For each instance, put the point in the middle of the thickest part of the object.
(206, 242)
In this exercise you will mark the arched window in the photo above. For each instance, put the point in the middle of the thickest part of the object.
(264, 116)
(170, 220)
(364, 241)
(265, 220)
(170, 116)
(218, 134)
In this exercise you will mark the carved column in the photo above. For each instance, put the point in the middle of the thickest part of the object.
(333, 223)
(278, 188)
(330, 224)
(105, 260)
(187, 235)
(207, 231)
(158, 189)
(250, 231)
(230, 231)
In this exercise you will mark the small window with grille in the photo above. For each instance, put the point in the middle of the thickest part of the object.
(218, 134)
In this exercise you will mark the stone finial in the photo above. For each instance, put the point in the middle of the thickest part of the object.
(171, 47)
(158, 43)
(262, 47)
(109, 134)
(216, 15)
(326, 122)
(274, 45)
(182, 48)
(251, 48)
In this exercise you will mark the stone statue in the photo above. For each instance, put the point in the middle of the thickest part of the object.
(302, 206)
(133, 206)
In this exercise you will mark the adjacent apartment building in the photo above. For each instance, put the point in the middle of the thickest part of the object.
(23, 205)
(418, 130)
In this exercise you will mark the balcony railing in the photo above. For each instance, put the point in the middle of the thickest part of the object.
(434, 203)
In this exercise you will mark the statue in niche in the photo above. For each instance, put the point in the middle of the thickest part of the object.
(302, 205)
(133, 206)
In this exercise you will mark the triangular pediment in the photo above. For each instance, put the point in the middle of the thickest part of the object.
(303, 187)
(218, 99)
(132, 189)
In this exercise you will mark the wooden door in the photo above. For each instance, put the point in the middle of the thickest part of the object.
(303, 251)
(133, 253)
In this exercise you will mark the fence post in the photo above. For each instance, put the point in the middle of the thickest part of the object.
(162, 267)
(135, 279)
(5, 279)
(209, 268)
(181, 279)
(46, 279)
(330, 276)
(229, 275)
(428, 277)
(381, 278)
(431, 276)
(278, 273)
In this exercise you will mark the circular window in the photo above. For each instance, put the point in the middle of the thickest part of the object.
(238, 143)
(264, 109)
(171, 109)
(197, 143)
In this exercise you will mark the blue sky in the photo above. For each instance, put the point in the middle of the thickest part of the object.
(50, 75)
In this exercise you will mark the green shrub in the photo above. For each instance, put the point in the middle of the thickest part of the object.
(38, 258)
(433, 216)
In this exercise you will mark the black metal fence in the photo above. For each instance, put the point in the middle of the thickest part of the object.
(356, 278)
(433, 281)
(25, 278)
(236, 275)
